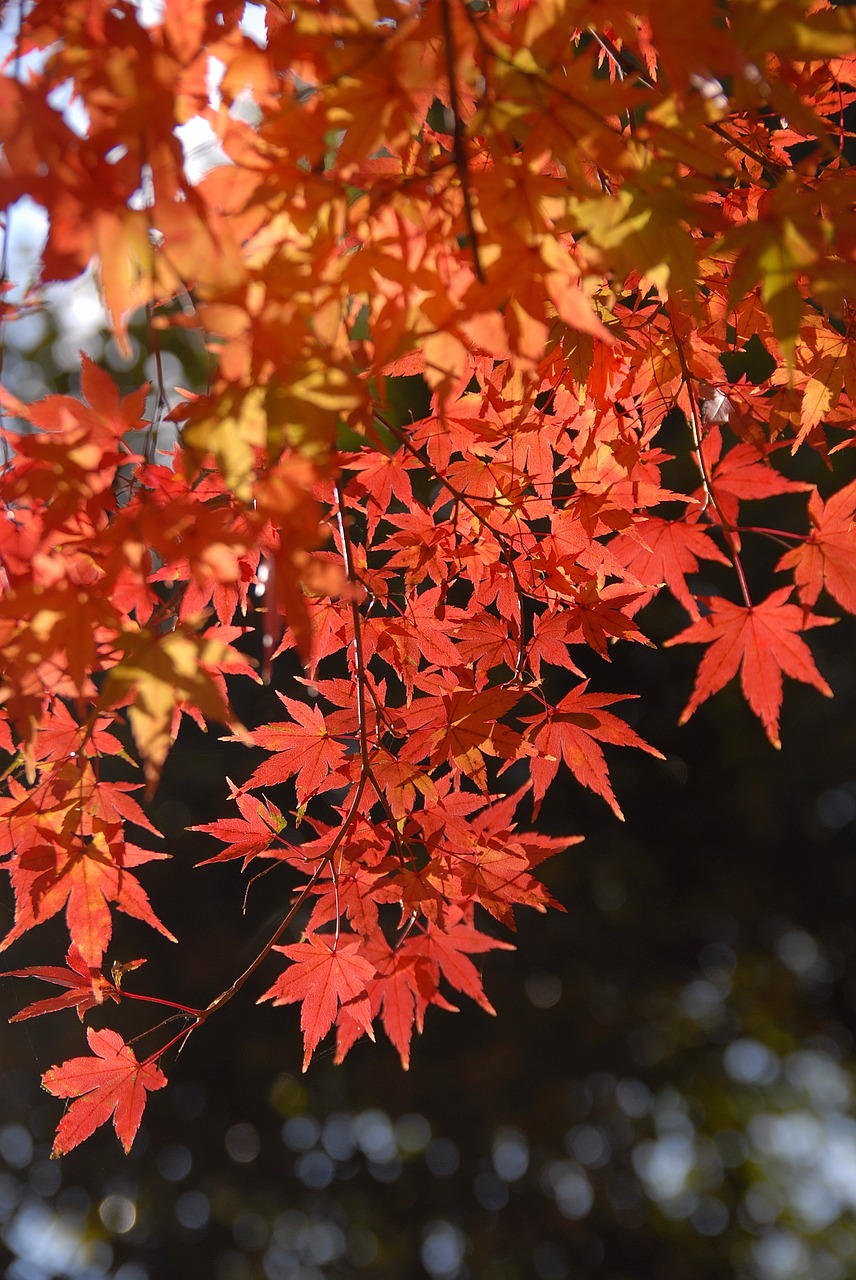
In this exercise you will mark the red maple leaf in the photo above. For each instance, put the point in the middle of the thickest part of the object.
(246, 837)
(59, 736)
(380, 478)
(325, 973)
(745, 473)
(665, 551)
(111, 1084)
(549, 643)
(447, 951)
(354, 890)
(463, 726)
(393, 994)
(600, 614)
(571, 732)
(83, 877)
(303, 749)
(762, 642)
(87, 987)
(828, 557)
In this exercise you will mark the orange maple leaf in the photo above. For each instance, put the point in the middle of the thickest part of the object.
(762, 642)
(570, 733)
(325, 974)
(303, 749)
(83, 878)
(111, 1084)
(828, 557)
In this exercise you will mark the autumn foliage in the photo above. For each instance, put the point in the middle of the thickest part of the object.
(607, 250)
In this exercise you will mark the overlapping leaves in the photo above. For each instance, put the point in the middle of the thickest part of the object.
(482, 286)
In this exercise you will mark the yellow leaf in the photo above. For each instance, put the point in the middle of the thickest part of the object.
(121, 240)
(783, 27)
(233, 435)
(824, 358)
(780, 260)
(643, 229)
(304, 412)
(159, 674)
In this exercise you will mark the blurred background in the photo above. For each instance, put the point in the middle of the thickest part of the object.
(667, 1088)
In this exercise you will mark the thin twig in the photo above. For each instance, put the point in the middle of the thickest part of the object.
(350, 817)
(359, 653)
(225, 996)
(728, 530)
(458, 140)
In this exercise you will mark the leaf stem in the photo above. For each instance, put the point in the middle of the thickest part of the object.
(167, 1004)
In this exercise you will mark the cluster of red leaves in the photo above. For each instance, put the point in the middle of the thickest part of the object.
(565, 232)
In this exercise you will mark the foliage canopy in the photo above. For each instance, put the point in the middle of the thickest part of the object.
(606, 251)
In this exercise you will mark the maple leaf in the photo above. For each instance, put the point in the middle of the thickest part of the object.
(393, 995)
(83, 876)
(762, 642)
(380, 478)
(325, 974)
(496, 871)
(571, 732)
(665, 551)
(549, 643)
(87, 987)
(65, 626)
(354, 890)
(116, 414)
(303, 749)
(111, 803)
(825, 363)
(110, 1085)
(402, 782)
(485, 861)
(599, 614)
(447, 951)
(828, 557)
(741, 474)
(249, 836)
(159, 674)
(470, 728)
(60, 736)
